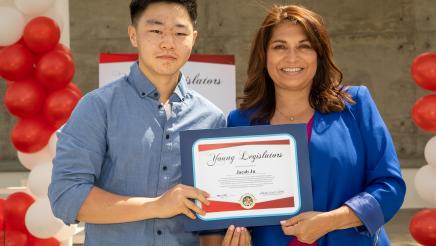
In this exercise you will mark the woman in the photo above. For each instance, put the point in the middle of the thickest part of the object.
(356, 179)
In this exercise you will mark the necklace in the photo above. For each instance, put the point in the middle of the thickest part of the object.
(291, 118)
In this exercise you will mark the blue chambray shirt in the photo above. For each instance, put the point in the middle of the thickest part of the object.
(119, 139)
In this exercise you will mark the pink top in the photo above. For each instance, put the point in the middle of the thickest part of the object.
(309, 128)
(295, 242)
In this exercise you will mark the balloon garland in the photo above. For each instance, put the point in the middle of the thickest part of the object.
(423, 224)
(38, 71)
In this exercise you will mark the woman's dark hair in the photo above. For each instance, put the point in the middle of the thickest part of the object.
(137, 7)
(326, 94)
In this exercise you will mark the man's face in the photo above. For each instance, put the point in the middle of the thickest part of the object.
(164, 36)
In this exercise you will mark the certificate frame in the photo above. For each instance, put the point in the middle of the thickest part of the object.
(302, 200)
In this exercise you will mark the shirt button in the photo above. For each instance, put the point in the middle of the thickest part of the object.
(159, 232)
(164, 168)
(167, 136)
(143, 93)
(156, 94)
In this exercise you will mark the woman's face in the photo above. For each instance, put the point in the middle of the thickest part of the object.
(291, 61)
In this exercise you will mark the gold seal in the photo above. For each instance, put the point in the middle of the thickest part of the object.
(247, 201)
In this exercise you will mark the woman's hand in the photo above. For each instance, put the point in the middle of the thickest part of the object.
(238, 236)
(310, 226)
(307, 227)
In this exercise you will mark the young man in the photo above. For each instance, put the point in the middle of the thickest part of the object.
(117, 166)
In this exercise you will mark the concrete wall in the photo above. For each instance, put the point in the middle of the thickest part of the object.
(374, 43)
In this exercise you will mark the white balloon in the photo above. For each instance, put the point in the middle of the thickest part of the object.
(39, 179)
(40, 220)
(430, 152)
(34, 159)
(52, 144)
(425, 183)
(11, 25)
(66, 232)
(33, 7)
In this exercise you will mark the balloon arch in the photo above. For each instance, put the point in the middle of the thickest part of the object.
(423, 224)
(38, 71)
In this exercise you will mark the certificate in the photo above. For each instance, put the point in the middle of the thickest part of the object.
(255, 175)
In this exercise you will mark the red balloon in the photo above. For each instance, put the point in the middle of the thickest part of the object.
(63, 48)
(16, 62)
(16, 206)
(9, 83)
(1, 49)
(2, 220)
(424, 113)
(41, 34)
(423, 227)
(21, 41)
(55, 70)
(31, 134)
(424, 70)
(24, 98)
(33, 241)
(2, 216)
(15, 238)
(59, 105)
(74, 88)
(59, 47)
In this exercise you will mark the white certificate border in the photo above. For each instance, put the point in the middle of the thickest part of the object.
(249, 136)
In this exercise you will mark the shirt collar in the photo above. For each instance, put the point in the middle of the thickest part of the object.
(145, 88)
(181, 88)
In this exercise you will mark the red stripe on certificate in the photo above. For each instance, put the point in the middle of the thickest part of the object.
(217, 206)
(205, 147)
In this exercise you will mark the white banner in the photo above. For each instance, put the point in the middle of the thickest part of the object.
(213, 76)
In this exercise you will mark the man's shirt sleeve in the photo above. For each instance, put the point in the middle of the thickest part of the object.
(221, 122)
(80, 153)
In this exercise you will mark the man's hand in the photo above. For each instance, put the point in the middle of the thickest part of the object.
(238, 236)
(176, 201)
(307, 227)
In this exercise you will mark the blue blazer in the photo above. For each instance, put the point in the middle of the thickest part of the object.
(353, 162)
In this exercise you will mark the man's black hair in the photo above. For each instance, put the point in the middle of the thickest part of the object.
(137, 7)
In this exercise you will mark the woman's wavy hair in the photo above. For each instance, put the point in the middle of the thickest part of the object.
(326, 94)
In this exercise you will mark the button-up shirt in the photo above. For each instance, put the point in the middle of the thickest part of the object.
(119, 139)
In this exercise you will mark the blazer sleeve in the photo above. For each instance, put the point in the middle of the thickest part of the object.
(385, 188)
